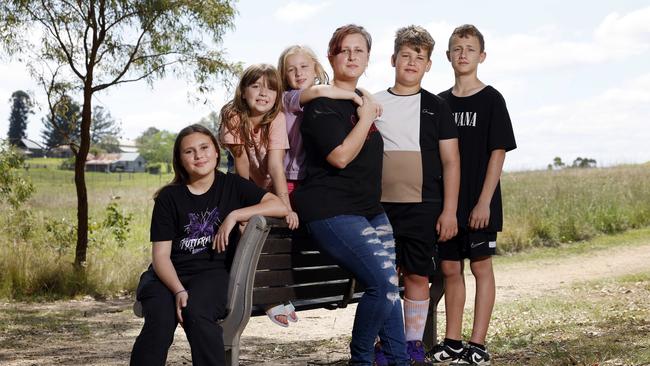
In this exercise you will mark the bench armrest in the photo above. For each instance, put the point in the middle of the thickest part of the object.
(242, 277)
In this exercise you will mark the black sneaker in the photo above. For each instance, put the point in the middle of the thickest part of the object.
(473, 356)
(443, 354)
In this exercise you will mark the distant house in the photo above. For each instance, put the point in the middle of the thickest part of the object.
(129, 162)
(30, 148)
(61, 151)
(122, 162)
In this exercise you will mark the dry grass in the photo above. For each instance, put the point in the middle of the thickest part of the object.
(600, 323)
(546, 208)
(543, 208)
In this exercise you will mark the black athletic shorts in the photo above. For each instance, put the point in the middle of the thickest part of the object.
(468, 244)
(414, 229)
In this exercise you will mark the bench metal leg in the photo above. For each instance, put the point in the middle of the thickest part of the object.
(232, 355)
(436, 291)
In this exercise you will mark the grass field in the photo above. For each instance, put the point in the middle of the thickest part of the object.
(599, 323)
(541, 208)
(546, 208)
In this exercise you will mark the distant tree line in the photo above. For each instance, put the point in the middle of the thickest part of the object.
(577, 163)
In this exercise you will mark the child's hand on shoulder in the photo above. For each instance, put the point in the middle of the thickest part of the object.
(356, 99)
(369, 109)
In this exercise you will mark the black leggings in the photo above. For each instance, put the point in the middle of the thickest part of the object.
(206, 303)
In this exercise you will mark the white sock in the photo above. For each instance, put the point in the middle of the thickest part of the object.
(415, 318)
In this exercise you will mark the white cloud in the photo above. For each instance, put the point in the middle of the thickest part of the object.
(615, 38)
(611, 127)
(297, 11)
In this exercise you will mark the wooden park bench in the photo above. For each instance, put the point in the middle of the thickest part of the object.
(272, 265)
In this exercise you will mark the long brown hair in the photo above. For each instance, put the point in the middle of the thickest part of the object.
(181, 176)
(235, 115)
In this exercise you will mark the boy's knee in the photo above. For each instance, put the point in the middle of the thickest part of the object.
(451, 269)
(482, 267)
(416, 281)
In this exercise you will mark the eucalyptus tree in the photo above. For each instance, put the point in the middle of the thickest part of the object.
(88, 46)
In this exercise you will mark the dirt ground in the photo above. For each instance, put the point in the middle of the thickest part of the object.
(90, 332)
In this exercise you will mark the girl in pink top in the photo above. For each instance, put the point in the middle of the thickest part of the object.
(255, 132)
(304, 79)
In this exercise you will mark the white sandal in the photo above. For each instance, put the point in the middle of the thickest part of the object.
(278, 310)
(290, 312)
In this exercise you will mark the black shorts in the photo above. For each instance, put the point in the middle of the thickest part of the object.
(468, 244)
(414, 228)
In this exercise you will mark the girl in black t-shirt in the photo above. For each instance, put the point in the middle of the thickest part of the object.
(339, 199)
(191, 227)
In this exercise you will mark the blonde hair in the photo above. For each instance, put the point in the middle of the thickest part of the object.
(321, 74)
(235, 115)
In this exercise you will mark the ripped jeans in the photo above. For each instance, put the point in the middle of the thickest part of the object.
(366, 248)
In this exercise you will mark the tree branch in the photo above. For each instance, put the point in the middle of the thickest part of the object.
(127, 65)
(55, 32)
(120, 19)
(143, 76)
(72, 6)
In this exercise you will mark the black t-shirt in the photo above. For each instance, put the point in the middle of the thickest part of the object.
(328, 191)
(191, 221)
(483, 126)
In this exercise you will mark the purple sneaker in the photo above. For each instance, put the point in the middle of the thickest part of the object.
(380, 357)
(415, 350)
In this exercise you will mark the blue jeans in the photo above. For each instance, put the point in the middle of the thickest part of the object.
(366, 248)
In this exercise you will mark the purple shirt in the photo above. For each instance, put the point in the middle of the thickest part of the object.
(294, 159)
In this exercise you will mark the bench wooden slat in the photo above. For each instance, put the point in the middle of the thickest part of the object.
(278, 295)
(300, 276)
(277, 245)
(293, 260)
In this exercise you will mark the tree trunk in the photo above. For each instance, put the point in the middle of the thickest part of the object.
(80, 181)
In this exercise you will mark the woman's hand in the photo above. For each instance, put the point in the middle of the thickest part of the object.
(221, 239)
(292, 220)
(181, 298)
(369, 110)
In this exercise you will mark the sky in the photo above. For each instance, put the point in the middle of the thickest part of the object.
(574, 74)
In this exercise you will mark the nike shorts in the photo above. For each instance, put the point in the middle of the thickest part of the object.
(414, 229)
(468, 244)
